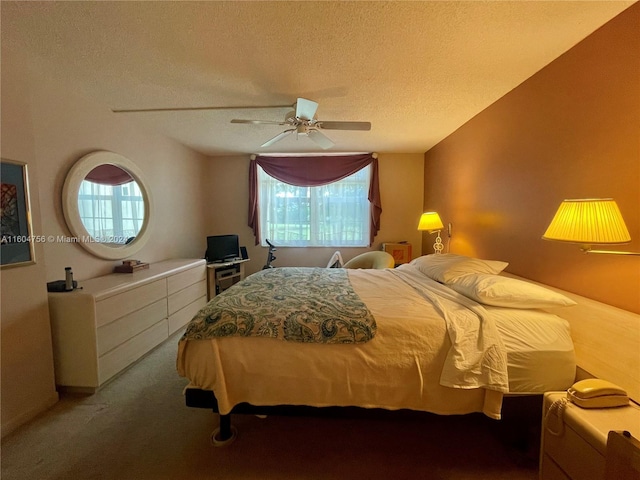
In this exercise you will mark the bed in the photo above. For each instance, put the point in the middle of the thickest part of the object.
(444, 334)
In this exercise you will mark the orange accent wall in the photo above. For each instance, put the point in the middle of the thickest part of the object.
(570, 131)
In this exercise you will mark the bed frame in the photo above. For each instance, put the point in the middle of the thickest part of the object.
(606, 340)
(521, 415)
(225, 433)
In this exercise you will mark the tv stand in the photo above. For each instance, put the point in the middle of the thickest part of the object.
(222, 275)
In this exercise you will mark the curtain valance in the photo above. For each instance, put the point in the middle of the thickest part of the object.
(314, 171)
(108, 174)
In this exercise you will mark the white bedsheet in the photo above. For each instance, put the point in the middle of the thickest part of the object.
(477, 357)
(540, 352)
(402, 367)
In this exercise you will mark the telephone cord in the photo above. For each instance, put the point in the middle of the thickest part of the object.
(557, 407)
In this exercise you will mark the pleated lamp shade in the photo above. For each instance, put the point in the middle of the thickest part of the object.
(430, 221)
(588, 221)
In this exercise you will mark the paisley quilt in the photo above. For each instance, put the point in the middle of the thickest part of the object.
(297, 304)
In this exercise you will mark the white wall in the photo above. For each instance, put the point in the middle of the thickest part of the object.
(49, 127)
(26, 357)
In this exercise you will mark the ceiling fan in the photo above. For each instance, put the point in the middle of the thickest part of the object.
(303, 121)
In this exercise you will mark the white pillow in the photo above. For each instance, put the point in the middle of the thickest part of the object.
(446, 267)
(507, 292)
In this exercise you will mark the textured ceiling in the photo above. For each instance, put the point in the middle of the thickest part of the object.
(416, 70)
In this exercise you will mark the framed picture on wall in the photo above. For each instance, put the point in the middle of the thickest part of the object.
(16, 234)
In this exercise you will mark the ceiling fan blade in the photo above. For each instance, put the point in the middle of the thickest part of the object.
(344, 125)
(258, 122)
(278, 137)
(306, 109)
(321, 139)
(193, 109)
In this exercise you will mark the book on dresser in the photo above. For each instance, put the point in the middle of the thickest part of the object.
(111, 321)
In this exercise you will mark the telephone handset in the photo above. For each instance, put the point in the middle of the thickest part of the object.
(589, 393)
(597, 393)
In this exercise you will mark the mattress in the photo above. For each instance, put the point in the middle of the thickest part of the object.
(540, 352)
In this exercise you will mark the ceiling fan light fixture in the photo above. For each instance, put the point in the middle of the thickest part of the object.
(303, 121)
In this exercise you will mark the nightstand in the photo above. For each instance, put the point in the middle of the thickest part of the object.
(578, 451)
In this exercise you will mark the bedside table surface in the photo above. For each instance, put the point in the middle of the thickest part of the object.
(594, 424)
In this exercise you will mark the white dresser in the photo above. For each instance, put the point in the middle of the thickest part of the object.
(111, 321)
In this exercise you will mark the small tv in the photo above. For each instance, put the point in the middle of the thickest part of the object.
(222, 248)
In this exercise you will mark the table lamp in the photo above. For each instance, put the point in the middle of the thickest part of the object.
(430, 222)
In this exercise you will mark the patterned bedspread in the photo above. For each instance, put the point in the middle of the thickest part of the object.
(297, 304)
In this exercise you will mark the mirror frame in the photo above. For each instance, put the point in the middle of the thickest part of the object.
(71, 210)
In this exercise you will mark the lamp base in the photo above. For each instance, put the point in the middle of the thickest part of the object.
(438, 247)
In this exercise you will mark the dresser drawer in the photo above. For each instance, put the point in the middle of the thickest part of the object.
(186, 296)
(578, 458)
(125, 354)
(112, 308)
(121, 330)
(180, 318)
(183, 279)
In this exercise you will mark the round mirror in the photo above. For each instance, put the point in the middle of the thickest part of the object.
(107, 205)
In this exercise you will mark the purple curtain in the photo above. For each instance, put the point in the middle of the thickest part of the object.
(108, 174)
(313, 171)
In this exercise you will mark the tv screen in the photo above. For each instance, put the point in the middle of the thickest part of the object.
(221, 248)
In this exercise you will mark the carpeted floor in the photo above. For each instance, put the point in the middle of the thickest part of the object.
(137, 428)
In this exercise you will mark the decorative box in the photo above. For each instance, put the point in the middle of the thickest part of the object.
(130, 266)
(401, 252)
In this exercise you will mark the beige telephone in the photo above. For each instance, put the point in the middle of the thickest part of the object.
(597, 393)
(590, 393)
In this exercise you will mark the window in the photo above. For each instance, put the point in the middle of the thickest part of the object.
(329, 216)
(336, 214)
(111, 214)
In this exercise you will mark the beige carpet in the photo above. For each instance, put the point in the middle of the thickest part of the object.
(137, 427)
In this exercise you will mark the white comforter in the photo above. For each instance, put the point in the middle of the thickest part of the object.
(434, 350)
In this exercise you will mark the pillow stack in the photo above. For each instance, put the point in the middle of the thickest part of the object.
(479, 280)
(446, 267)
